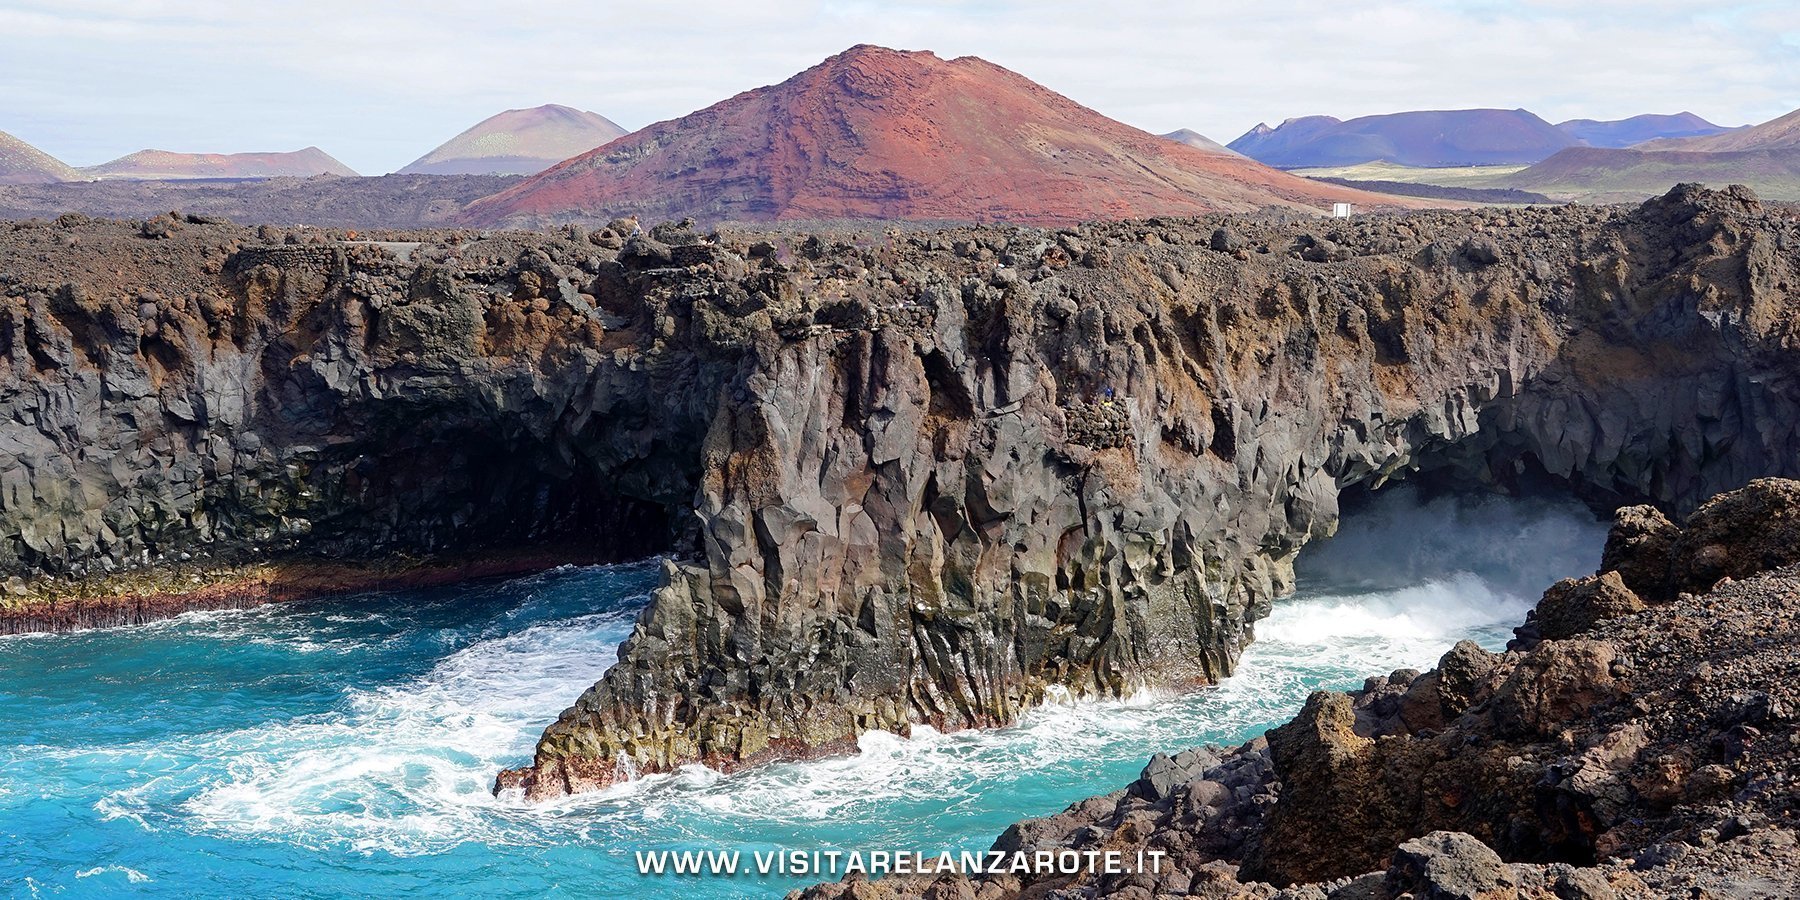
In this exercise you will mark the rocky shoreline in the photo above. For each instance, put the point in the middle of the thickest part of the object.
(904, 476)
(1640, 738)
(136, 598)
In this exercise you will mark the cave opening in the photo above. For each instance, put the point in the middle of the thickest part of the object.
(475, 489)
(1456, 472)
(1487, 547)
(1501, 517)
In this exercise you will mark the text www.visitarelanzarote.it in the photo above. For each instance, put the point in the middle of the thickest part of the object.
(839, 863)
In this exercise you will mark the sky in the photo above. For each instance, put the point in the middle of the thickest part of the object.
(378, 84)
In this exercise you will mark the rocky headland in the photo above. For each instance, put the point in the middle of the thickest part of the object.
(1639, 739)
(902, 476)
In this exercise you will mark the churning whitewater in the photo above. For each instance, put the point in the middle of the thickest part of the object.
(304, 749)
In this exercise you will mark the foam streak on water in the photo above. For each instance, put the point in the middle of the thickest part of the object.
(348, 747)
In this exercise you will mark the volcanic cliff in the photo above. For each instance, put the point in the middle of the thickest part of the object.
(906, 476)
(1640, 739)
(874, 133)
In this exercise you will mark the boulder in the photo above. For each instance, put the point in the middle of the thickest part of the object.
(1450, 865)
(1638, 548)
(1738, 534)
(1574, 606)
(1555, 685)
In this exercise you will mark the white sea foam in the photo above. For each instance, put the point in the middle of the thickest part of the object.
(131, 803)
(403, 769)
(1439, 608)
(131, 875)
(407, 768)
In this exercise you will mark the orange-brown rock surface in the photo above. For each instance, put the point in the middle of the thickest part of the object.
(165, 164)
(882, 134)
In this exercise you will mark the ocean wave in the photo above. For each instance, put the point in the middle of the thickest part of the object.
(403, 769)
(131, 875)
(1308, 639)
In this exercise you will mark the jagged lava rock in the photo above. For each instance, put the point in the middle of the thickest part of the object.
(1575, 605)
(1009, 527)
(1648, 755)
(906, 476)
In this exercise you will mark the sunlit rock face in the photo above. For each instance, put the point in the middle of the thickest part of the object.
(909, 477)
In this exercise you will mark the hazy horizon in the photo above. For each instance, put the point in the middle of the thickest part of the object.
(379, 85)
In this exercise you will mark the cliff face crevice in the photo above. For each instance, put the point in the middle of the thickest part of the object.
(926, 477)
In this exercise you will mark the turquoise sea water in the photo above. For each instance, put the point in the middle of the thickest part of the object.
(346, 748)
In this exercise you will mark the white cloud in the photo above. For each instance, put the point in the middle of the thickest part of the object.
(380, 83)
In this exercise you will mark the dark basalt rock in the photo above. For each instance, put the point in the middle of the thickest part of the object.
(1645, 755)
(1638, 548)
(906, 477)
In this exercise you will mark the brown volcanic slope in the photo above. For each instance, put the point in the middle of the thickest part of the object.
(163, 164)
(518, 142)
(1776, 134)
(1606, 175)
(874, 133)
(21, 163)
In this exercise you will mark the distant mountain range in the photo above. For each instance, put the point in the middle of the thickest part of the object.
(1443, 138)
(1638, 129)
(162, 164)
(21, 163)
(1781, 133)
(874, 133)
(1765, 157)
(518, 142)
(1458, 137)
